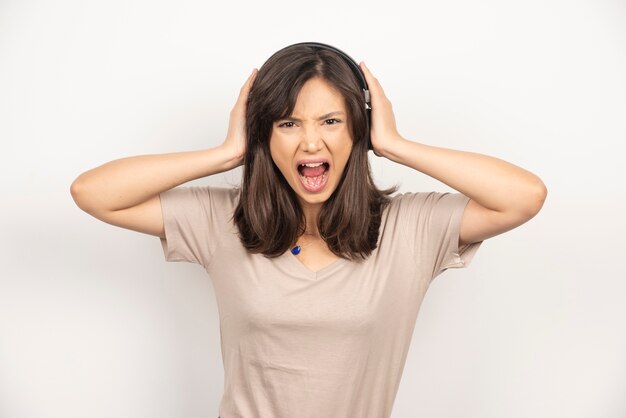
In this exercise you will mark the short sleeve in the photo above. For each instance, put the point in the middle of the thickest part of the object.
(433, 226)
(194, 219)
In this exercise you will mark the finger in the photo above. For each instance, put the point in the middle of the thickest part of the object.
(372, 82)
(245, 89)
(248, 84)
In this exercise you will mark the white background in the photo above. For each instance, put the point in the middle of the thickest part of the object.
(94, 323)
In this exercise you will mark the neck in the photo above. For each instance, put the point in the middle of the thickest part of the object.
(311, 214)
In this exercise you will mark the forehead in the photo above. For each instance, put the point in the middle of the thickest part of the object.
(318, 94)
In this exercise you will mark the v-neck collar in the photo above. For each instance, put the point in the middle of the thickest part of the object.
(290, 264)
(293, 265)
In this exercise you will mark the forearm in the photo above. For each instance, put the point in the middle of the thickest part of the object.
(491, 182)
(126, 182)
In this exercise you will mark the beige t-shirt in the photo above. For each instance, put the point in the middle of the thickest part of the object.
(303, 344)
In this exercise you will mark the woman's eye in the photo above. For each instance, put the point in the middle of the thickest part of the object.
(288, 124)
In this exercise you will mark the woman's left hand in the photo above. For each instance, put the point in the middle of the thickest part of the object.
(502, 195)
(383, 130)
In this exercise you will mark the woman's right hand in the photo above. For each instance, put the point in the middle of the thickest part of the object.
(126, 192)
(236, 137)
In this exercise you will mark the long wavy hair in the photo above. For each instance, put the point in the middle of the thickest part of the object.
(268, 214)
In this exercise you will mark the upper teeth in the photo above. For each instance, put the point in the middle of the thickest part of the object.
(312, 164)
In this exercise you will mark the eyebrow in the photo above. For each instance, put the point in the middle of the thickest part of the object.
(326, 116)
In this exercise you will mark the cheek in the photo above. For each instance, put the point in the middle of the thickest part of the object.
(343, 147)
(277, 144)
(274, 149)
(279, 155)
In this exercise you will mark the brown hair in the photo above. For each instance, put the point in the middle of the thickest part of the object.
(268, 215)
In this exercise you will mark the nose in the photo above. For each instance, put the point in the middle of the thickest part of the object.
(311, 140)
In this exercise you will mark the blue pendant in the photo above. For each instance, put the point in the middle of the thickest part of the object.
(296, 250)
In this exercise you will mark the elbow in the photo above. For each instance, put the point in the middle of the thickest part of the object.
(79, 194)
(75, 191)
(534, 199)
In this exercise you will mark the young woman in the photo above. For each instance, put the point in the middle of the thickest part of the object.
(318, 274)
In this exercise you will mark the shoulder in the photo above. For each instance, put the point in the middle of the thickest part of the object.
(204, 192)
(208, 197)
(427, 205)
(425, 199)
(222, 194)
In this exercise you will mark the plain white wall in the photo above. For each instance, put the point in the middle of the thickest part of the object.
(94, 323)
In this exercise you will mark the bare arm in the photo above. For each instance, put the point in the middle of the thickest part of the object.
(125, 192)
(503, 196)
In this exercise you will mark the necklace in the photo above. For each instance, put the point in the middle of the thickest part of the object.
(296, 250)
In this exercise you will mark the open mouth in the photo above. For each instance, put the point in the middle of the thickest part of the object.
(313, 175)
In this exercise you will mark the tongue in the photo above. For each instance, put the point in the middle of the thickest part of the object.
(312, 171)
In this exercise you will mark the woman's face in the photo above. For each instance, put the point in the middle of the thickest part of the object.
(311, 147)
